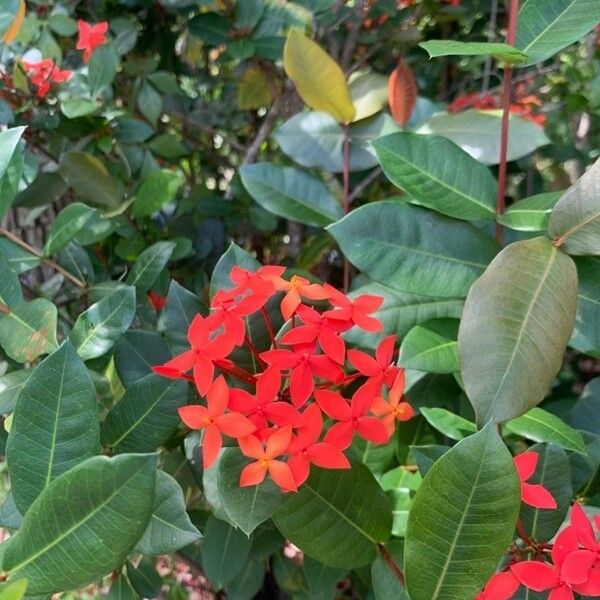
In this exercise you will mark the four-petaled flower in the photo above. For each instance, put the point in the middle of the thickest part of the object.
(394, 409)
(90, 37)
(378, 370)
(266, 460)
(215, 421)
(43, 73)
(356, 310)
(533, 494)
(295, 289)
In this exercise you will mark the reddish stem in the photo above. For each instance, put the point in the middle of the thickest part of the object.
(4, 309)
(523, 534)
(391, 563)
(269, 326)
(236, 372)
(506, 98)
(346, 191)
(253, 349)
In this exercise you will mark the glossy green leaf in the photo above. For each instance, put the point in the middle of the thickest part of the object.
(554, 473)
(9, 182)
(121, 589)
(575, 220)
(503, 52)
(530, 214)
(170, 528)
(224, 552)
(102, 68)
(29, 330)
(291, 193)
(9, 139)
(146, 415)
(337, 516)
(68, 223)
(453, 426)
(156, 191)
(517, 321)
(544, 28)
(11, 386)
(73, 108)
(136, 353)
(246, 507)
(539, 425)
(10, 286)
(586, 335)
(84, 524)
(88, 176)
(57, 414)
(454, 542)
(431, 347)
(478, 134)
(414, 250)
(149, 265)
(585, 414)
(15, 590)
(438, 174)
(318, 78)
(102, 324)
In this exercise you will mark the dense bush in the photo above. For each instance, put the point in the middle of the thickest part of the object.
(300, 297)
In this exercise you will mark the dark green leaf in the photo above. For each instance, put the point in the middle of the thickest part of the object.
(121, 589)
(182, 306)
(68, 223)
(10, 286)
(385, 583)
(144, 579)
(9, 513)
(431, 347)
(150, 102)
(453, 426)
(248, 583)
(156, 191)
(11, 386)
(136, 353)
(148, 266)
(586, 335)
(9, 139)
(585, 413)
(102, 68)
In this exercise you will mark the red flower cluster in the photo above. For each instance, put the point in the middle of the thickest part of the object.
(279, 423)
(90, 37)
(43, 73)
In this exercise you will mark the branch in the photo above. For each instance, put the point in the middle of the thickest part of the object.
(352, 38)
(262, 134)
(391, 563)
(23, 244)
(365, 183)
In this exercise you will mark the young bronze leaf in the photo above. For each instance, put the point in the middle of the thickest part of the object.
(402, 92)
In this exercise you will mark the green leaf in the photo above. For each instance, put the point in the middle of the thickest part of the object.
(102, 324)
(438, 174)
(503, 52)
(249, 582)
(586, 335)
(530, 214)
(431, 347)
(73, 108)
(150, 102)
(10, 516)
(539, 425)
(478, 134)
(575, 220)
(14, 590)
(146, 415)
(170, 528)
(57, 414)
(9, 182)
(149, 265)
(318, 78)
(68, 223)
(156, 191)
(8, 11)
(136, 353)
(462, 519)
(84, 524)
(290, 193)
(29, 330)
(224, 552)
(544, 28)
(337, 516)
(9, 139)
(369, 93)
(144, 578)
(414, 250)
(453, 426)
(88, 176)
(554, 473)
(11, 386)
(121, 589)
(10, 285)
(102, 68)
(246, 507)
(517, 321)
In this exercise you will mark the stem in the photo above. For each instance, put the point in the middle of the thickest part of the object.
(236, 372)
(269, 326)
(17, 240)
(506, 97)
(346, 187)
(391, 563)
(523, 534)
(253, 349)
(4, 309)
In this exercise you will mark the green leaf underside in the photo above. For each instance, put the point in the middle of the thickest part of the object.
(586, 335)
(504, 52)
(453, 426)
(431, 347)
(530, 214)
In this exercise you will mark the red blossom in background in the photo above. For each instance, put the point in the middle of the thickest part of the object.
(43, 74)
(277, 420)
(157, 301)
(532, 494)
(90, 37)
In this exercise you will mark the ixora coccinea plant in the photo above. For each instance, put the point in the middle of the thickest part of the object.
(298, 328)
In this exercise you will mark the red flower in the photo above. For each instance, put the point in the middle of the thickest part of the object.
(378, 370)
(213, 419)
(204, 353)
(304, 365)
(43, 73)
(258, 282)
(279, 471)
(295, 289)
(395, 409)
(501, 586)
(157, 301)
(90, 37)
(264, 406)
(229, 313)
(318, 327)
(352, 418)
(571, 572)
(356, 310)
(306, 450)
(533, 494)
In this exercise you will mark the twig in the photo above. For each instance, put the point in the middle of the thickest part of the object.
(365, 183)
(66, 274)
(487, 69)
(262, 134)
(4, 309)
(506, 97)
(352, 38)
(269, 326)
(346, 188)
(391, 563)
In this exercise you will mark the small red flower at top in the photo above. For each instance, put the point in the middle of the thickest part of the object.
(157, 301)
(378, 370)
(532, 494)
(215, 421)
(43, 73)
(395, 408)
(295, 289)
(90, 37)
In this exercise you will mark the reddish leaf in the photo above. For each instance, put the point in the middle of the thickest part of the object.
(402, 92)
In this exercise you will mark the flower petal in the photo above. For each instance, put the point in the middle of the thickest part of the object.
(537, 495)
(211, 445)
(340, 435)
(300, 467)
(333, 405)
(194, 415)
(576, 566)
(301, 384)
(235, 425)
(535, 575)
(501, 586)
(372, 429)
(281, 474)
(525, 463)
(252, 474)
(363, 363)
(327, 456)
(278, 442)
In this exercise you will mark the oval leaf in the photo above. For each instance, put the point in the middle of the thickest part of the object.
(148, 266)
(530, 214)
(402, 92)
(586, 335)
(68, 223)
(431, 347)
